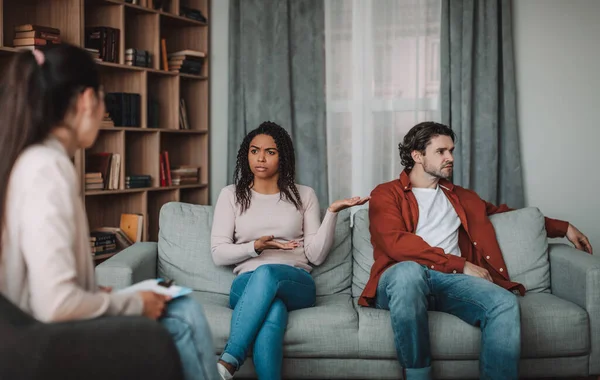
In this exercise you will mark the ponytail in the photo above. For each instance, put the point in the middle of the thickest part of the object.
(35, 96)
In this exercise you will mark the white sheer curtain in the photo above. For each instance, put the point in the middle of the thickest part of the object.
(382, 78)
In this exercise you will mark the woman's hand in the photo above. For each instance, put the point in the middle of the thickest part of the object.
(154, 304)
(343, 204)
(267, 242)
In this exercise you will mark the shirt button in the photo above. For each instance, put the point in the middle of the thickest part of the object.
(487, 257)
(432, 267)
(474, 243)
(501, 270)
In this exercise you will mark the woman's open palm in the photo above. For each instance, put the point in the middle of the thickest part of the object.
(343, 204)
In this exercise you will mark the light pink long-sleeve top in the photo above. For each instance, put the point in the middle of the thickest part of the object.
(234, 233)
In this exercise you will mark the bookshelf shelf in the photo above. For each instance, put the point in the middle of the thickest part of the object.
(104, 256)
(146, 189)
(150, 120)
(194, 77)
(175, 20)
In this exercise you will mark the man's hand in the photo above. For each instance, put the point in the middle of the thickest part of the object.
(475, 271)
(579, 240)
(267, 242)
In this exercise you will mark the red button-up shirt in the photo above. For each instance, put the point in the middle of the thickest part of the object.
(394, 214)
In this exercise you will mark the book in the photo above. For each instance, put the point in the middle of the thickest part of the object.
(157, 285)
(132, 225)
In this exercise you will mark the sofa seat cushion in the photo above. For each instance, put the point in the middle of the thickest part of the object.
(328, 330)
(550, 327)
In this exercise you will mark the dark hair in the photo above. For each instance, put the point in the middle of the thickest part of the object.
(35, 98)
(243, 176)
(419, 137)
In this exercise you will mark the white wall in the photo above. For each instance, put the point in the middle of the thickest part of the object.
(558, 81)
(219, 87)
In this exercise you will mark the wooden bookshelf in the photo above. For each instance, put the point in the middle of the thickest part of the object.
(140, 147)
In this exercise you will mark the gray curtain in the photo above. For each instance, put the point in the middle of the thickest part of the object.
(478, 97)
(277, 73)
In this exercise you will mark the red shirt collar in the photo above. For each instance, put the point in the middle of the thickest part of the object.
(407, 186)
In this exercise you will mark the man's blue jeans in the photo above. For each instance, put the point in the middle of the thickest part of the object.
(409, 290)
(261, 300)
(185, 320)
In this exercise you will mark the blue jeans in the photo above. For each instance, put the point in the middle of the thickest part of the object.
(261, 300)
(409, 290)
(184, 319)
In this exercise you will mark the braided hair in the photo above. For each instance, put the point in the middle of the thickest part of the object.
(243, 177)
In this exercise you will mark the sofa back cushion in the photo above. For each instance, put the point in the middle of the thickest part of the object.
(184, 252)
(523, 241)
(334, 276)
(521, 235)
(362, 252)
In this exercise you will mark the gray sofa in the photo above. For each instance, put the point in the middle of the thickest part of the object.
(337, 339)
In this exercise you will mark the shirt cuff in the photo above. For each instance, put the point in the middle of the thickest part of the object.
(249, 248)
(456, 264)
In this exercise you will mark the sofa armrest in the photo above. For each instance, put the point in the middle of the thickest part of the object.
(575, 277)
(131, 265)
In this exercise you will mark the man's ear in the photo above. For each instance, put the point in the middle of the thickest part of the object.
(417, 156)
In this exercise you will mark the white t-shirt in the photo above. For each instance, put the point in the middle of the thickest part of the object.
(438, 221)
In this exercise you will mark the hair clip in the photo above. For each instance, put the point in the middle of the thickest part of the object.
(39, 56)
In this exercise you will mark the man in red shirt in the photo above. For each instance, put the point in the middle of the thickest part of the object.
(436, 249)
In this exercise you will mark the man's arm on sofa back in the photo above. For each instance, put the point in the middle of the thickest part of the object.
(131, 265)
(575, 277)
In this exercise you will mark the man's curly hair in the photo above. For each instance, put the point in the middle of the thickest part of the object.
(419, 137)
(244, 178)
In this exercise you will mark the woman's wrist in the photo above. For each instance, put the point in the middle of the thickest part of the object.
(257, 249)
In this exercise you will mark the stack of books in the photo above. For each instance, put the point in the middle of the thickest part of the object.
(136, 181)
(124, 108)
(107, 121)
(31, 36)
(194, 14)
(183, 117)
(102, 242)
(185, 175)
(94, 181)
(138, 57)
(123, 241)
(104, 39)
(186, 61)
(95, 53)
(109, 167)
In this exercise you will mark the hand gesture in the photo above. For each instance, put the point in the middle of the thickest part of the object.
(579, 240)
(267, 242)
(343, 204)
(476, 271)
(154, 304)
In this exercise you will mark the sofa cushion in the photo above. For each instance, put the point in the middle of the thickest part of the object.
(184, 253)
(327, 330)
(523, 241)
(550, 327)
(334, 275)
(362, 252)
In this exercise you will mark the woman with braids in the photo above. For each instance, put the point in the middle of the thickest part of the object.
(52, 105)
(269, 228)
